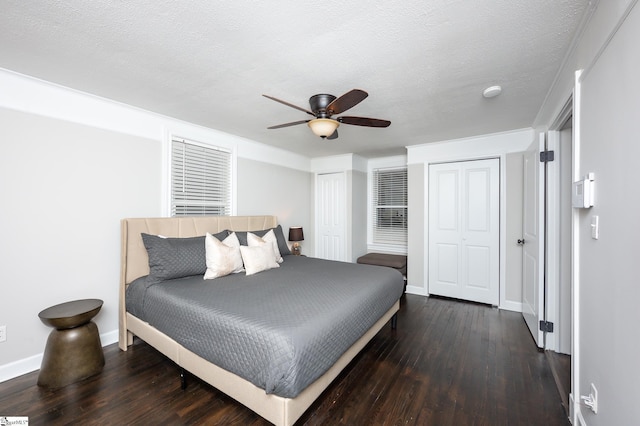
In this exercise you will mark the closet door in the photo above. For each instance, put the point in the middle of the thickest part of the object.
(331, 216)
(464, 230)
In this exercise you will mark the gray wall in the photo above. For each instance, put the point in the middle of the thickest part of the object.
(609, 288)
(513, 252)
(65, 187)
(357, 213)
(417, 223)
(606, 288)
(270, 189)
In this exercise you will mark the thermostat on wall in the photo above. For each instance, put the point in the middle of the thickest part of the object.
(583, 192)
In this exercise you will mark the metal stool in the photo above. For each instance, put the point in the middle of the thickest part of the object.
(73, 350)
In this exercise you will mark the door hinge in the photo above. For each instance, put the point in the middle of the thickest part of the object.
(547, 156)
(546, 326)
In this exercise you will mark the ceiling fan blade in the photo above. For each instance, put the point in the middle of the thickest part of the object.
(293, 123)
(289, 105)
(333, 135)
(364, 121)
(346, 101)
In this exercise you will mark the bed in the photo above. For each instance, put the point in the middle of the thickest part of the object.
(302, 355)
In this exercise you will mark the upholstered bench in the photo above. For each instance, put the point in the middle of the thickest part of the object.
(395, 261)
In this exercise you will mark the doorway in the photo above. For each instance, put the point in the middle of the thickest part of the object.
(547, 282)
(559, 291)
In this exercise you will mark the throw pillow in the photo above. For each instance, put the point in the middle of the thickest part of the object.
(222, 257)
(258, 258)
(269, 238)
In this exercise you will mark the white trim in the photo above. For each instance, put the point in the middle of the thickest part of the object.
(384, 162)
(552, 237)
(552, 242)
(27, 365)
(503, 303)
(338, 163)
(31, 95)
(483, 146)
(510, 305)
(420, 291)
(575, 258)
(573, 46)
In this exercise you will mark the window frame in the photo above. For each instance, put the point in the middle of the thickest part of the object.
(375, 166)
(199, 140)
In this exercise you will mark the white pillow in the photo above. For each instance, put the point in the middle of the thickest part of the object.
(223, 258)
(258, 258)
(269, 237)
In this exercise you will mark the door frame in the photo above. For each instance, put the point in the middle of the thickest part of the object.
(553, 222)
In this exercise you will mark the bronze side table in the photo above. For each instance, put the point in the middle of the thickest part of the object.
(73, 350)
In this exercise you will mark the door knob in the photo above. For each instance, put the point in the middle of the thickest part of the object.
(521, 242)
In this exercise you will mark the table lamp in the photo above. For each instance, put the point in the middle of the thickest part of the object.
(295, 235)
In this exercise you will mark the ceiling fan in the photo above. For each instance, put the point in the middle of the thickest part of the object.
(324, 106)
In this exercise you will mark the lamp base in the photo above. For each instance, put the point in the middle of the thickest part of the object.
(295, 249)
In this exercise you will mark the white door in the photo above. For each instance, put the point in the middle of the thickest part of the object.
(330, 190)
(464, 233)
(533, 235)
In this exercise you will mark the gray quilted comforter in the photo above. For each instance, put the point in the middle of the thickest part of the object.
(280, 329)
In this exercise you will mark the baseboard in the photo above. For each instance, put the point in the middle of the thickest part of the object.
(27, 365)
(509, 305)
(420, 291)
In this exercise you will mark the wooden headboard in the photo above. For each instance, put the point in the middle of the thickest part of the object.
(134, 262)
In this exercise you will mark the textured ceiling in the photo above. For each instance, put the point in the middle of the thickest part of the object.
(424, 63)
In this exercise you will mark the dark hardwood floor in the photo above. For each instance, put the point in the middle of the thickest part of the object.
(448, 363)
(561, 369)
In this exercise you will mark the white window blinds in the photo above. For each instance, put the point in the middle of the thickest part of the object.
(389, 206)
(200, 179)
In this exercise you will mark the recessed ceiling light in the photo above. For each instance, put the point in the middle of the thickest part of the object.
(492, 92)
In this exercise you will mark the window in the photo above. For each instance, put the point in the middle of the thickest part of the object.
(200, 179)
(389, 206)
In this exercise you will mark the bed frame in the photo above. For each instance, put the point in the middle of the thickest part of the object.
(135, 263)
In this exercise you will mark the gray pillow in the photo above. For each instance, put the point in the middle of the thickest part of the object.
(171, 258)
(282, 241)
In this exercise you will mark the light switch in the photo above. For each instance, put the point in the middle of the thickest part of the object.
(595, 231)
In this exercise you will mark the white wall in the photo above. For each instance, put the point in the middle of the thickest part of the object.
(72, 166)
(419, 157)
(606, 289)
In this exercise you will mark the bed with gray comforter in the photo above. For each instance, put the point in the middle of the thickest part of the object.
(280, 329)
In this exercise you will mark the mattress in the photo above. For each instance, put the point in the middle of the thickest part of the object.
(280, 329)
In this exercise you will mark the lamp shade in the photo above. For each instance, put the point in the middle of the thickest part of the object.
(296, 234)
(323, 127)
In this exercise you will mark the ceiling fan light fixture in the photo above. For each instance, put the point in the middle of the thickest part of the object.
(323, 127)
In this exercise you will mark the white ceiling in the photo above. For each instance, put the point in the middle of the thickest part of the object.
(424, 63)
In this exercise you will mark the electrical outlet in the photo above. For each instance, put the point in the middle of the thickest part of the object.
(3, 333)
